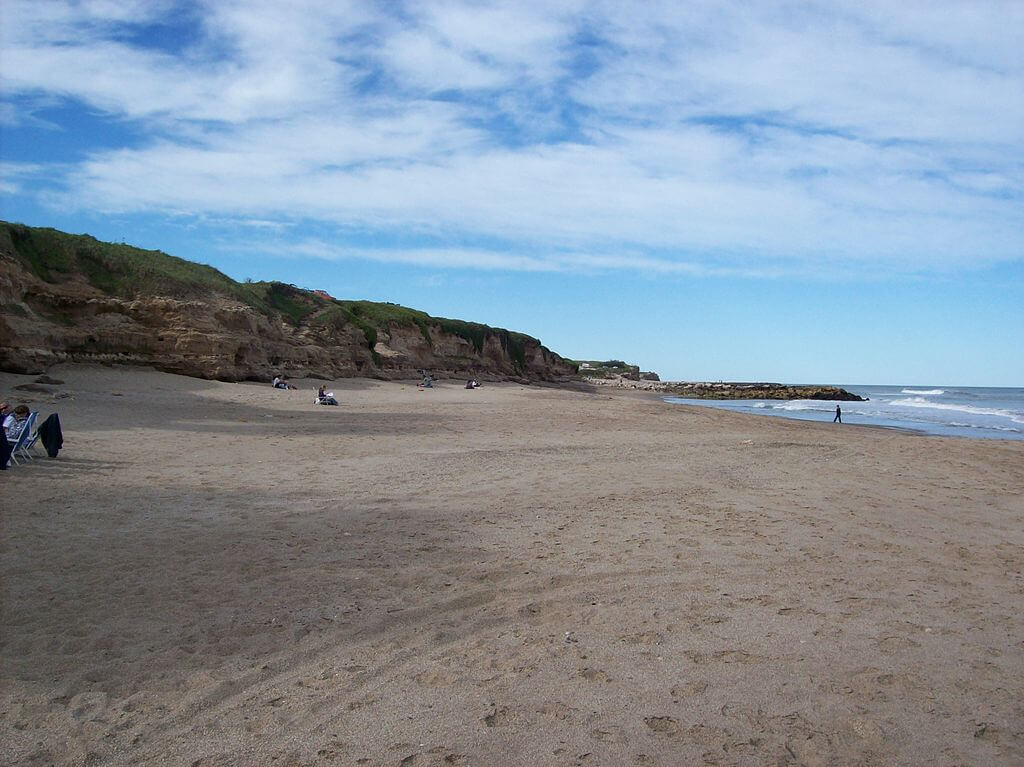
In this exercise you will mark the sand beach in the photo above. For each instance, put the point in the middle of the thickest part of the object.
(215, 574)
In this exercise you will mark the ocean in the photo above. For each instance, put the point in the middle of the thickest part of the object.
(949, 411)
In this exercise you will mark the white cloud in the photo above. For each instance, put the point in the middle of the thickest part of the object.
(705, 138)
(462, 258)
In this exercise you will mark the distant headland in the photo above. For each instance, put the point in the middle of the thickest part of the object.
(623, 375)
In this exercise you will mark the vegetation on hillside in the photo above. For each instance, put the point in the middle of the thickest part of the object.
(611, 369)
(124, 271)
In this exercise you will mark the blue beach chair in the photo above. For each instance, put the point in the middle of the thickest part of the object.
(26, 439)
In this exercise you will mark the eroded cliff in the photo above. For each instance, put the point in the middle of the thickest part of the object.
(71, 298)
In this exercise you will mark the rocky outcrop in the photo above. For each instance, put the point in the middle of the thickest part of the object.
(722, 390)
(68, 318)
(759, 391)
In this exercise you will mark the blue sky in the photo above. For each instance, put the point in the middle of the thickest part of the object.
(794, 191)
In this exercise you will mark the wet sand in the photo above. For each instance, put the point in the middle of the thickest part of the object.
(225, 574)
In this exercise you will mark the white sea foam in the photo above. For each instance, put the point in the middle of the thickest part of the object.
(920, 402)
(995, 427)
(803, 404)
(760, 404)
(933, 392)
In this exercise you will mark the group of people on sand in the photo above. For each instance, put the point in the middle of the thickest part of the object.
(428, 382)
(324, 397)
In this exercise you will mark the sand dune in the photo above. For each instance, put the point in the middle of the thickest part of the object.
(225, 574)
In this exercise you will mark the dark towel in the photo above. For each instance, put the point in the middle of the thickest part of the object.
(50, 435)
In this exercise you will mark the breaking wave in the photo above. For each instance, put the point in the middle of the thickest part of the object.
(920, 402)
(933, 392)
(804, 404)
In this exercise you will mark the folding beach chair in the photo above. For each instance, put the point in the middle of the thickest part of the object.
(26, 439)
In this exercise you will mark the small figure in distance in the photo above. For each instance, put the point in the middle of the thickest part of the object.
(324, 397)
(427, 383)
(472, 384)
(839, 415)
(281, 382)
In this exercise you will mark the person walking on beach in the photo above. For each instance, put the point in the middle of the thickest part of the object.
(839, 415)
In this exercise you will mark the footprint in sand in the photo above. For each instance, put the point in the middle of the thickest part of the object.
(434, 679)
(530, 610)
(595, 675)
(895, 644)
(643, 638)
(88, 706)
(663, 725)
(736, 656)
(689, 690)
(558, 711)
(612, 735)
(722, 656)
(499, 717)
(332, 751)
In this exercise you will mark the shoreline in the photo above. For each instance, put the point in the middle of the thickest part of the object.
(962, 418)
(901, 429)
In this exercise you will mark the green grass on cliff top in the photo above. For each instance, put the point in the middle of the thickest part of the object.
(124, 271)
(115, 269)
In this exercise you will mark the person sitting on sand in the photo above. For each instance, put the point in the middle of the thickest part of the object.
(324, 397)
(427, 383)
(280, 382)
(5, 446)
(15, 422)
(472, 384)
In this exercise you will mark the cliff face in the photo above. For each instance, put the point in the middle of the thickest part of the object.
(79, 313)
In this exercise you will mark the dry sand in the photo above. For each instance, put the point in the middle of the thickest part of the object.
(225, 574)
